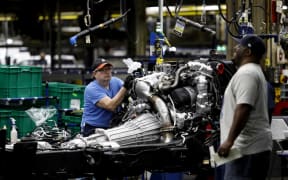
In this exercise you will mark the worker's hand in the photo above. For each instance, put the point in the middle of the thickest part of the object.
(224, 148)
(128, 82)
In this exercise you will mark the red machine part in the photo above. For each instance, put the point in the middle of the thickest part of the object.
(273, 12)
(281, 108)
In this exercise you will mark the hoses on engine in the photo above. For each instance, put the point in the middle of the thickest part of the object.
(173, 110)
(176, 81)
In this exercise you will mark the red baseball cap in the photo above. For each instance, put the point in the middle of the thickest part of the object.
(101, 65)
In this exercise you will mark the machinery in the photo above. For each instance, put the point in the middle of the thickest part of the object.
(163, 107)
(168, 122)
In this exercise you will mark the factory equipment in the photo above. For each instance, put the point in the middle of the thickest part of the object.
(167, 124)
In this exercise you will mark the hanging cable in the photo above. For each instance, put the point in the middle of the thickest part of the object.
(178, 7)
(168, 9)
(250, 8)
(221, 13)
(73, 39)
(87, 17)
(203, 15)
(233, 23)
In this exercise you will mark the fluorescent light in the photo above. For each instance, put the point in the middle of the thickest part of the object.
(63, 16)
(7, 18)
(71, 29)
(185, 9)
(155, 10)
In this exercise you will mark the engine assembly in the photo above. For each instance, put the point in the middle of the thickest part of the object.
(167, 122)
(164, 107)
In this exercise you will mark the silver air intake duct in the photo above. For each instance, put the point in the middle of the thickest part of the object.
(142, 89)
(166, 124)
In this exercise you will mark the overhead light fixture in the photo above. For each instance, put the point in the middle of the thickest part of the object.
(188, 10)
(185, 10)
(7, 18)
(63, 16)
(71, 29)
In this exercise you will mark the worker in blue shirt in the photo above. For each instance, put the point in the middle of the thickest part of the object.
(102, 97)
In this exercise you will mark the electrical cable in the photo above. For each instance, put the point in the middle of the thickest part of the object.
(231, 22)
(168, 9)
(87, 17)
(203, 15)
(73, 39)
(261, 8)
(236, 27)
(221, 13)
(250, 11)
(178, 7)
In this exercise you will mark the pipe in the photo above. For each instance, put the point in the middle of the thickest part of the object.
(166, 126)
(176, 81)
(160, 4)
(143, 90)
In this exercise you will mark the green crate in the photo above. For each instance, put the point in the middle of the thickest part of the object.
(74, 130)
(72, 123)
(71, 119)
(24, 123)
(5, 121)
(20, 81)
(70, 95)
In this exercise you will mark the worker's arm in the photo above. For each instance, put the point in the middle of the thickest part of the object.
(112, 104)
(240, 118)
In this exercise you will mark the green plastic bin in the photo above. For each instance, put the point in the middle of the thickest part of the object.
(25, 125)
(20, 81)
(70, 95)
(5, 121)
(72, 123)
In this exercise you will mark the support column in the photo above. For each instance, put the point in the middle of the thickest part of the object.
(137, 29)
(52, 31)
(231, 8)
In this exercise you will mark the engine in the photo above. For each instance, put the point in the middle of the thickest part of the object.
(166, 106)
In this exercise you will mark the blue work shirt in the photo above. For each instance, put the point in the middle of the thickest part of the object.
(92, 114)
